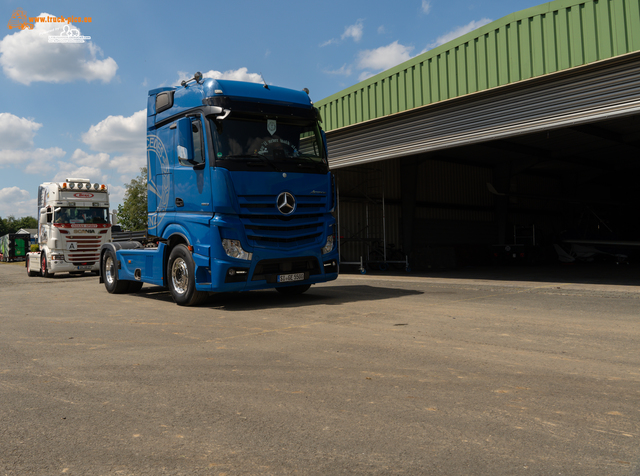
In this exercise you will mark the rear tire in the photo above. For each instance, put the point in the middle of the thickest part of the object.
(181, 278)
(294, 290)
(43, 266)
(110, 274)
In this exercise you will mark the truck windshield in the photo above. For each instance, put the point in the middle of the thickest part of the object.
(76, 215)
(282, 143)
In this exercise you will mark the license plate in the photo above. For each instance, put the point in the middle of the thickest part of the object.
(82, 268)
(287, 278)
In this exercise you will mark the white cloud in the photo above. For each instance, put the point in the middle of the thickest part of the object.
(27, 56)
(457, 32)
(344, 70)
(122, 136)
(118, 133)
(116, 192)
(426, 7)
(328, 42)
(365, 75)
(384, 57)
(17, 202)
(16, 141)
(240, 74)
(67, 169)
(354, 31)
(381, 30)
(16, 132)
(371, 62)
(80, 157)
(130, 164)
(32, 161)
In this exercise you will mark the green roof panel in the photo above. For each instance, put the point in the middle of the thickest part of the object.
(551, 37)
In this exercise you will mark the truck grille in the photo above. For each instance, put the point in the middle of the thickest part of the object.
(88, 251)
(265, 226)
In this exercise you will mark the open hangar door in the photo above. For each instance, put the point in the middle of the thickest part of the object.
(542, 172)
(558, 195)
(561, 195)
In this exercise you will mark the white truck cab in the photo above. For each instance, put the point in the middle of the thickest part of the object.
(73, 223)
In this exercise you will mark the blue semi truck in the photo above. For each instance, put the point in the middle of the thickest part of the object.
(240, 196)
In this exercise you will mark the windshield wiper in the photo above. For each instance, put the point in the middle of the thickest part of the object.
(310, 161)
(254, 156)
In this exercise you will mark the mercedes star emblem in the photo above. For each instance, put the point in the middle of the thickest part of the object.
(286, 203)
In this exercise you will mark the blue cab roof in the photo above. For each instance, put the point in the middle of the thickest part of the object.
(193, 95)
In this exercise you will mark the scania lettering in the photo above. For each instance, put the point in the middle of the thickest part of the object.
(73, 223)
(240, 196)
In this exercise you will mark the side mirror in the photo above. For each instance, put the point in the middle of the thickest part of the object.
(185, 141)
(190, 148)
(49, 215)
(212, 110)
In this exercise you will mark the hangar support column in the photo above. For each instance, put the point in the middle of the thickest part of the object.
(502, 181)
(409, 190)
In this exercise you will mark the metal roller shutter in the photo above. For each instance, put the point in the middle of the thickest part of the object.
(608, 89)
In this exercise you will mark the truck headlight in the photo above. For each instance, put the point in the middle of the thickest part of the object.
(329, 245)
(234, 249)
(55, 257)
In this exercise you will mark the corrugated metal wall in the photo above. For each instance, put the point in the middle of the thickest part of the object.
(454, 210)
(552, 37)
(450, 192)
(360, 213)
(583, 95)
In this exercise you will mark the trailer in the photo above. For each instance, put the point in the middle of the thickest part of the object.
(14, 246)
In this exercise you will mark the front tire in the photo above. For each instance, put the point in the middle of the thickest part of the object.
(110, 274)
(294, 290)
(181, 278)
(43, 267)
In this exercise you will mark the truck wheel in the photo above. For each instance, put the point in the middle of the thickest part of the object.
(30, 273)
(294, 290)
(110, 274)
(181, 274)
(43, 267)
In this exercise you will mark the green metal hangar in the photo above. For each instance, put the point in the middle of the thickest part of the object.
(517, 141)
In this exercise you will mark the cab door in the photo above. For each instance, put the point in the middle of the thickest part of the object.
(192, 183)
(160, 151)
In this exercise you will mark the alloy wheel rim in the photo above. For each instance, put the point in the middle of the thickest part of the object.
(180, 276)
(109, 270)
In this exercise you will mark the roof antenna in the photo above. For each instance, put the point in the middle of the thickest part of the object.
(265, 83)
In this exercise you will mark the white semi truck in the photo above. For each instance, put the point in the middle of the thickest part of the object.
(73, 223)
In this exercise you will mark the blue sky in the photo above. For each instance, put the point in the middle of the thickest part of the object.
(78, 110)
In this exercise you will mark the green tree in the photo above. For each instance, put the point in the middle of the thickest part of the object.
(27, 222)
(132, 214)
(11, 224)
